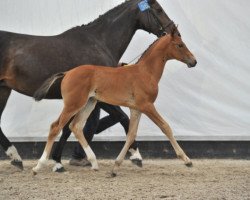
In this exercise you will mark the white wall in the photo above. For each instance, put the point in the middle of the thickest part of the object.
(210, 101)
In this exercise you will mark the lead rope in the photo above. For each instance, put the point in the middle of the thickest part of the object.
(135, 58)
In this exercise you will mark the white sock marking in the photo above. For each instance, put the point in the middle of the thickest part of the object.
(13, 154)
(91, 157)
(41, 162)
(57, 166)
(135, 154)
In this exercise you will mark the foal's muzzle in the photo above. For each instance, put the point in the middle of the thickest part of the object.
(191, 63)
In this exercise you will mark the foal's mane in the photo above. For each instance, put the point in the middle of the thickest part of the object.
(173, 31)
(148, 49)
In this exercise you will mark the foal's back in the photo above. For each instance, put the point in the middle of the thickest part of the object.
(101, 83)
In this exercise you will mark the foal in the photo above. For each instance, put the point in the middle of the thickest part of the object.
(134, 86)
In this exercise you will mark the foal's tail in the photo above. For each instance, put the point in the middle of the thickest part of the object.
(43, 90)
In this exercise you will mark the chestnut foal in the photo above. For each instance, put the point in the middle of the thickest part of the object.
(134, 86)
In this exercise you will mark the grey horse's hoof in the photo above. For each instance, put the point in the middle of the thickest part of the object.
(17, 163)
(137, 162)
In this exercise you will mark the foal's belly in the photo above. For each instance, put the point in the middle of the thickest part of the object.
(115, 94)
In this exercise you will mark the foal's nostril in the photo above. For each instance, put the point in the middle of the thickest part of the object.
(192, 63)
(195, 62)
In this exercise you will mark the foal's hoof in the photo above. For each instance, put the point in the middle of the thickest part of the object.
(189, 164)
(113, 174)
(17, 163)
(34, 172)
(137, 162)
(95, 168)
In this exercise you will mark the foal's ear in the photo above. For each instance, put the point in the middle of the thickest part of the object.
(174, 30)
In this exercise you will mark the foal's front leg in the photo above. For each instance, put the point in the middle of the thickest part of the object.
(135, 116)
(152, 113)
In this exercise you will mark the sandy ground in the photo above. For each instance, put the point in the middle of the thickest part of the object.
(158, 179)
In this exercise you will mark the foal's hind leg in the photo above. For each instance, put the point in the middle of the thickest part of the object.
(8, 147)
(116, 115)
(133, 127)
(152, 113)
(55, 129)
(76, 127)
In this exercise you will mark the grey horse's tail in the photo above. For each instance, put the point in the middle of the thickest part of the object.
(43, 90)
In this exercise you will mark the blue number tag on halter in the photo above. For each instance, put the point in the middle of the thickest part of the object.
(143, 5)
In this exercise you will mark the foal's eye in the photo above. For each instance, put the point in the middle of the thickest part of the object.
(180, 45)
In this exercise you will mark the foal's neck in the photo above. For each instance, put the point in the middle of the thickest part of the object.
(154, 60)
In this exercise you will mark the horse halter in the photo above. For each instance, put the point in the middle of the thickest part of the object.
(145, 6)
(162, 28)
